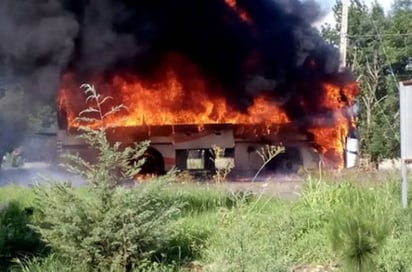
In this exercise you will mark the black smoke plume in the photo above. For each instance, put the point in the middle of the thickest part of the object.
(277, 51)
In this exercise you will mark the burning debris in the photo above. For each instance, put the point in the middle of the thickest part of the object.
(238, 62)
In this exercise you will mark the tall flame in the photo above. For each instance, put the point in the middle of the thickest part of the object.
(169, 99)
(330, 141)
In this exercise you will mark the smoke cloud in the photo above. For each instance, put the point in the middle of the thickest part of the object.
(277, 51)
(241, 47)
(37, 40)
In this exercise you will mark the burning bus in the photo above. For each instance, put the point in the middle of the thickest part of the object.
(236, 74)
(184, 125)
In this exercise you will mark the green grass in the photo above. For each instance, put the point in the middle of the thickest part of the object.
(199, 198)
(219, 233)
(22, 195)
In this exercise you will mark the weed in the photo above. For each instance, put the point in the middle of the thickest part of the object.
(267, 154)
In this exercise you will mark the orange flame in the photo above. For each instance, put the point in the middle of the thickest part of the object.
(170, 99)
(330, 141)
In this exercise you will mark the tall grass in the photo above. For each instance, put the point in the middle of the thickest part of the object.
(248, 241)
(350, 224)
(54, 263)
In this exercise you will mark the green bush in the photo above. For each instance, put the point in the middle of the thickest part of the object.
(110, 226)
(16, 238)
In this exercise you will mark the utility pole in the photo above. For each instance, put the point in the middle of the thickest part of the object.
(343, 34)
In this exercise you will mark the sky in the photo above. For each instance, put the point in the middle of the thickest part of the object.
(328, 4)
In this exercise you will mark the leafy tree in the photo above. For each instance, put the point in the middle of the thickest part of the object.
(400, 39)
(378, 52)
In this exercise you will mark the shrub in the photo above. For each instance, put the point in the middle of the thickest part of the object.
(110, 226)
(129, 231)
